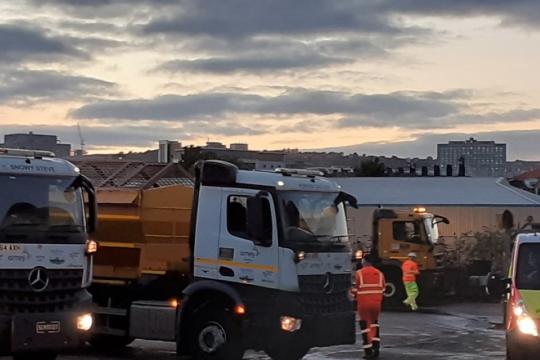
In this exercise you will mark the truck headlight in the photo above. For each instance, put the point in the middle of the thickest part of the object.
(91, 247)
(527, 325)
(85, 322)
(290, 324)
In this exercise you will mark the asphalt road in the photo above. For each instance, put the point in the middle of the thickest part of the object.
(464, 331)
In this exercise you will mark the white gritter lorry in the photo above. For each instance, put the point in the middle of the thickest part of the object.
(238, 260)
(45, 254)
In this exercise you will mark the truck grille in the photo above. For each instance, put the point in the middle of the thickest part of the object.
(17, 296)
(324, 294)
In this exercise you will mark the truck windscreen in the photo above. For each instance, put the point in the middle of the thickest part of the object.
(44, 207)
(528, 267)
(313, 219)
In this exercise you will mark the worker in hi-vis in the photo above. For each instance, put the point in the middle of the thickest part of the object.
(410, 272)
(369, 286)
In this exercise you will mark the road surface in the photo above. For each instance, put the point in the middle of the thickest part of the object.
(465, 331)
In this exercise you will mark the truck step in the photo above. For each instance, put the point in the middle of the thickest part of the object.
(98, 310)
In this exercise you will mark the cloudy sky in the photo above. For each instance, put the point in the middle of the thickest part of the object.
(375, 76)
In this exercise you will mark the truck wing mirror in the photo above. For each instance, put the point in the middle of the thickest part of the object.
(437, 219)
(497, 285)
(343, 197)
(259, 227)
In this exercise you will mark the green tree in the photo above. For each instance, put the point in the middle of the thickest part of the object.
(370, 168)
(192, 154)
(488, 245)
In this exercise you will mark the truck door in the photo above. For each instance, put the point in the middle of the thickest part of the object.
(240, 258)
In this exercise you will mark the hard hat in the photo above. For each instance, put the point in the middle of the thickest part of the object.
(412, 254)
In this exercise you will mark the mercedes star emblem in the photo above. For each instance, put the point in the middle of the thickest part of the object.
(38, 279)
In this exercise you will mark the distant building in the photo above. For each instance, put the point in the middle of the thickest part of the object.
(33, 141)
(169, 151)
(482, 158)
(245, 158)
(518, 167)
(243, 147)
(215, 145)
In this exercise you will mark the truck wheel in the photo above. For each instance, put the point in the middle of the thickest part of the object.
(217, 336)
(290, 352)
(108, 342)
(33, 356)
(394, 293)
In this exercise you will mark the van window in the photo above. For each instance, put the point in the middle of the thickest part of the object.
(528, 267)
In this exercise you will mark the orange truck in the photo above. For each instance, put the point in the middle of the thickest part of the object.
(215, 261)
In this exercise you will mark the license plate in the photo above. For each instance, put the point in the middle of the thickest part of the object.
(48, 327)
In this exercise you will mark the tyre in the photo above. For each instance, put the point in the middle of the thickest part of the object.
(109, 342)
(34, 356)
(289, 352)
(217, 336)
(394, 293)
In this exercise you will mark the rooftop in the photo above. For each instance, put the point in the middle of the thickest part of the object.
(442, 191)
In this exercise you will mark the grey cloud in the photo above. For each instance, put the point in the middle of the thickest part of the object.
(250, 64)
(516, 12)
(246, 18)
(20, 44)
(264, 55)
(393, 108)
(99, 9)
(438, 119)
(522, 145)
(167, 107)
(29, 86)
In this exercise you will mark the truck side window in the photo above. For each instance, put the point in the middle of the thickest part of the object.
(407, 231)
(237, 217)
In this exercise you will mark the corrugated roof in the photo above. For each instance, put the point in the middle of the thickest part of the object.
(444, 191)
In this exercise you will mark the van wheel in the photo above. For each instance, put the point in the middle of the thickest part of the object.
(217, 336)
(288, 352)
(33, 356)
(394, 293)
(109, 342)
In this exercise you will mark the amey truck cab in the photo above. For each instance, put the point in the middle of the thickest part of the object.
(233, 260)
(397, 233)
(522, 313)
(45, 254)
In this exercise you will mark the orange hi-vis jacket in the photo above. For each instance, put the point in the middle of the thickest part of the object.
(410, 270)
(370, 284)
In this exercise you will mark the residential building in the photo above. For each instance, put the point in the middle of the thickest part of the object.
(481, 158)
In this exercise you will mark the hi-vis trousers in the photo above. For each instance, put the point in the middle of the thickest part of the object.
(369, 311)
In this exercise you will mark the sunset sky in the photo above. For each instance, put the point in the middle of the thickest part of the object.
(373, 76)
